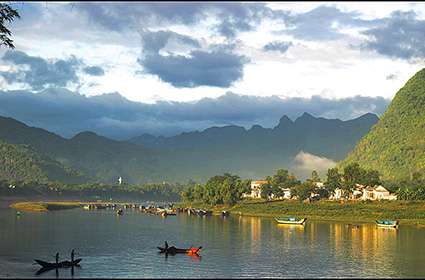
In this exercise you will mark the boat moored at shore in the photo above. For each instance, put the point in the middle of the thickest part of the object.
(291, 220)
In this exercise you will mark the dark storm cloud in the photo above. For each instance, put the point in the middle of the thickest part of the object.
(68, 113)
(94, 70)
(279, 46)
(41, 73)
(233, 17)
(217, 66)
(401, 35)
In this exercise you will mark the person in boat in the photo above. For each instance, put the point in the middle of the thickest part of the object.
(57, 259)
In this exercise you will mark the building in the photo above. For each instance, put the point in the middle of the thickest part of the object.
(119, 181)
(286, 194)
(377, 193)
(365, 193)
(255, 189)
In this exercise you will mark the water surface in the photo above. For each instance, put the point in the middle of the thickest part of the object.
(125, 246)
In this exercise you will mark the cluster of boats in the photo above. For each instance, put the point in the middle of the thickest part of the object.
(301, 221)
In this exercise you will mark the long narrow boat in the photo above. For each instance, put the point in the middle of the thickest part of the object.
(62, 264)
(291, 220)
(173, 250)
(387, 223)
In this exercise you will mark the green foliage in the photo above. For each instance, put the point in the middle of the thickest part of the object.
(395, 145)
(7, 15)
(22, 163)
(333, 180)
(304, 190)
(164, 191)
(282, 180)
(220, 189)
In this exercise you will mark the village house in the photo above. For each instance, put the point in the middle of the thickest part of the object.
(365, 193)
(255, 189)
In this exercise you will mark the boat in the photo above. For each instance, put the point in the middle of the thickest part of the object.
(291, 220)
(225, 213)
(120, 212)
(86, 207)
(62, 264)
(173, 250)
(387, 223)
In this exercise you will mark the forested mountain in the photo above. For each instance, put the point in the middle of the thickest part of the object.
(22, 163)
(251, 153)
(395, 146)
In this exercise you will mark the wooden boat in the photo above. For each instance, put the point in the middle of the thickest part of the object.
(291, 221)
(173, 250)
(62, 264)
(387, 223)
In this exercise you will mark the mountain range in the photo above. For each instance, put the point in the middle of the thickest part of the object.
(250, 153)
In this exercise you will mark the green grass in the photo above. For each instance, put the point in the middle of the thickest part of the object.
(406, 212)
(44, 206)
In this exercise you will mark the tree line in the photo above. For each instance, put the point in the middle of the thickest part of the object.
(229, 189)
(154, 191)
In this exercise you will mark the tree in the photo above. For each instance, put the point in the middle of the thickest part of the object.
(315, 176)
(282, 180)
(333, 180)
(352, 175)
(304, 190)
(7, 15)
(267, 189)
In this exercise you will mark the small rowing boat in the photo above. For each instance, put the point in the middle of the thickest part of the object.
(173, 250)
(291, 221)
(387, 223)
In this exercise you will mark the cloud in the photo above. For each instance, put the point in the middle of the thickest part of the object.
(322, 23)
(218, 67)
(232, 17)
(94, 70)
(305, 163)
(400, 36)
(279, 46)
(39, 72)
(67, 113)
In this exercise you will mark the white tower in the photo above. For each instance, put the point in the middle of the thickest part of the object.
(119, 180)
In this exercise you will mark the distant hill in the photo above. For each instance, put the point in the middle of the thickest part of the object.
(258, 151)
(22, 163)
(251, 153)
(98, 157)
(395, 146)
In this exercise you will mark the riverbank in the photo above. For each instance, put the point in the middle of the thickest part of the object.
(406, 212)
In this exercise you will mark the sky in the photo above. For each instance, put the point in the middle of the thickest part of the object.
(124, 69)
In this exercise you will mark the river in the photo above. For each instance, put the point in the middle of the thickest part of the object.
(125, 246)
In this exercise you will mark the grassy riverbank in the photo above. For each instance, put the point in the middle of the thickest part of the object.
(45, 206)
(407, 212)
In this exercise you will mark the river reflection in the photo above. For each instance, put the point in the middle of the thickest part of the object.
(236, 246)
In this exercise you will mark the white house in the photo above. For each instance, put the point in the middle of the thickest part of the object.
(365, 193)
(255, 189)
(377, 193)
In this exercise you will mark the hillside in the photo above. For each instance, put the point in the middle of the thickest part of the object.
(395, 146)
(251, 153)
(258, 151)
(22, 163)
(100, 158)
